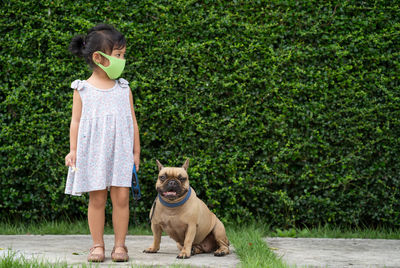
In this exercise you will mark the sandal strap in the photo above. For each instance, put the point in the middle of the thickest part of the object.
(122, 246)
(96, 246)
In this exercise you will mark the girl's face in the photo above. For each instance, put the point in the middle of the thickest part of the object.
(116, 53)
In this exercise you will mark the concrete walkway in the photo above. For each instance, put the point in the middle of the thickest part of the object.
(321, 252)
(73, 249)
(302, 252)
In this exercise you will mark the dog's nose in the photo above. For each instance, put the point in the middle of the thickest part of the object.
(172, 184)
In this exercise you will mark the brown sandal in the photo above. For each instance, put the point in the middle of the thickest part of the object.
(120, 257)
(96, 257)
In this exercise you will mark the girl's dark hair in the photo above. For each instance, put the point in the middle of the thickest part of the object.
(102, 37)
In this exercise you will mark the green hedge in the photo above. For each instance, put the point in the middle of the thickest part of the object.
(289, 110)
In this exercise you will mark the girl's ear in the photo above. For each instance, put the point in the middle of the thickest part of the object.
(96, 57)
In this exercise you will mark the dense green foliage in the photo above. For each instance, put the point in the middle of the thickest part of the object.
(289, 110)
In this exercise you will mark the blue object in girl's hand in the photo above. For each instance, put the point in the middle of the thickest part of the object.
(135, 185)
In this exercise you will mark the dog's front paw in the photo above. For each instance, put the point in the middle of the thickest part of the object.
(221, 252)
(183, 255)
(151, 250)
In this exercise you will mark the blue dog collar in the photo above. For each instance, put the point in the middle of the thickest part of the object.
(174, 205)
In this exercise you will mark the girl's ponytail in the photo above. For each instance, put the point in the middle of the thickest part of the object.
(77, 45)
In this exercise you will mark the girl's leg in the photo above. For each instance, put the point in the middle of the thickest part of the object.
(96, 217)
(120, 215)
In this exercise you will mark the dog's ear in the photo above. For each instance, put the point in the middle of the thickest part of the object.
(159, 165)
(186, 165)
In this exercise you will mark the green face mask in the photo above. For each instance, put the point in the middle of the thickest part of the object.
(116, 67)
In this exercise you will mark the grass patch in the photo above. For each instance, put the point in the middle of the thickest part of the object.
(63, 228)
(337, 232)
(251, 248)
(12, 260)
(44, 227)
(67, 227)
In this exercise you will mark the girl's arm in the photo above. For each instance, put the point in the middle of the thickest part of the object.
(136, 138)
(70, 159)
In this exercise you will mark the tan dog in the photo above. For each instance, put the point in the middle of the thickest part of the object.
(184, 217)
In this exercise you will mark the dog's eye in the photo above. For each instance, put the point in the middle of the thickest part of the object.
(163, 177)
(181, 178)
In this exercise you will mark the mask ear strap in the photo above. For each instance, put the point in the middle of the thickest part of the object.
(104, 55)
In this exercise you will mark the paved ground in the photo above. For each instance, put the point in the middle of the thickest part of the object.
(303, 252)
(320, 252)
(74, 249)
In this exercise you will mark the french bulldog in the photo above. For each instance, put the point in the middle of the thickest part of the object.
(184, 217)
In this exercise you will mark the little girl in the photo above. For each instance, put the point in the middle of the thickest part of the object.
(104, 137)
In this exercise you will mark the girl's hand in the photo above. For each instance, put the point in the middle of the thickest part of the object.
(136, 160)
(70, 159)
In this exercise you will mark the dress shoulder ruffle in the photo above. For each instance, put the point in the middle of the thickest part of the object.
(123, 83)
(78, 84)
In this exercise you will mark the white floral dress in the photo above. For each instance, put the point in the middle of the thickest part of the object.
(104, 154)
